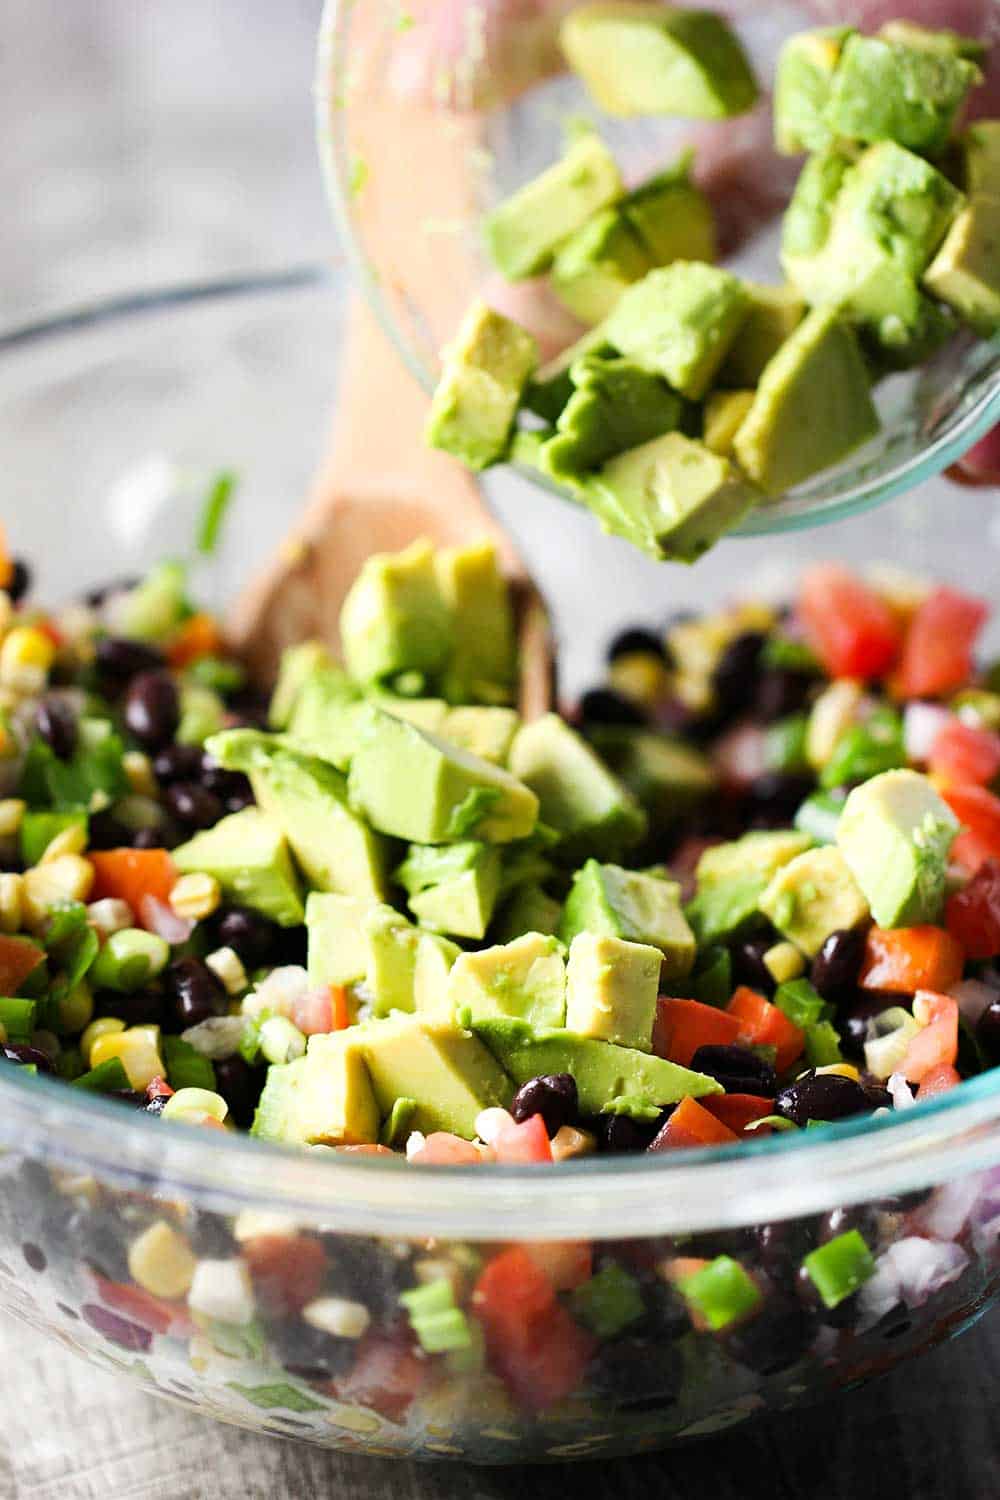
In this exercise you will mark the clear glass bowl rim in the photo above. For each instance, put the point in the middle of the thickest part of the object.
(600, 1198)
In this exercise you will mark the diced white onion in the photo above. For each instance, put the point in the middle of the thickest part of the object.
(217, 1038)
(911, 1271)
(415, 1143)
(945, 1214)
(894, 1030)
(922, 723)
(902, 1095)
(278, 992)
(492, 1122)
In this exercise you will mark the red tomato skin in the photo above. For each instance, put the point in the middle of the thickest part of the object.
(691, 1124)
(387, 1375)
(973, 914)
(538, 1350)
(964, 754)
(853, 631)
(287, 1270)
(937, 652)
(130, 874)
(763, 1024)
(901, 960)
(525, 1143)
(939, 1080)
(682, 1026)
(737, 1111)
(979, 813)
(18, 958)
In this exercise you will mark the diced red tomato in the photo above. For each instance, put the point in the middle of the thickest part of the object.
(18, 957)
(939, 1080)
(902, 960)
(141, 1307)
(130, 874)
(567, 1263)
(965, 755)
(937, 652)
(682, 1026)
(442, 1149)
(198, 636)
(288, 1271)
(340, 1010)
(538, 1350)
(737, 1111)
(973, 914)
(692, 1125)
(764, 1025)
(979, 813)
(387, 1376)
(366, 1150)
(524, 1143)
(852, 630)
(936, 1044)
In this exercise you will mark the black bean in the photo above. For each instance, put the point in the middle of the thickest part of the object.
(309, 1353)
(248, 933)
(224, 784)
(240, 1086)
(552, 1095)
(632, 641)
(619, 1133)
(194, 992)
(635, 1374)
(988, 1031)
(240, 800)
(748, 964)
(735, 677)
(739, 1070)
(781, 1248)
(852, 1022)
(22, 1054)
(776, 796)
(152, 709)
(145, 1007)
(878, 1096)
(841, 1316)
(105, 832)
(604, 706)
(192, 805)
(821, 1096)
(178, 763)
(150, 838)
(860, 1216)
(780, 692)
(776, 1337)
(19, 582)
(835, 969)
(56, 723)
(119, 660)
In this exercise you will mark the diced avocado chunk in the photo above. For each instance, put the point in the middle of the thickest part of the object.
(731, 878)
(324, 1098)
(157, 605)
(405, 969)
(596, 264)
(548, 392)
(911, 34)
(203, 713)
(806, 68)
(667, 777)
(813, 895)
(899, 202)
(725, 413)
(323, 719)
(679, 322)
(523, 233)
(529, 909)
(417, 787)
(608, 1078)
(525, 979)
(485, 370)
(395, 617)
(980, 147)
(895, 832)
(671, 216)
(965, 273)
(486, 732)
(611, 989)
(426, 713)
(812, 407)
(615, 405)
(613, 902)
(639, 59)
(338, 950)
(307, 799)
(449, 1073)
(775, 313)
(482, 665)
(886, 91)
(805, 227)
(297, 665)
(452, 888)
(672, 497)
(578, 796)
(248, 856)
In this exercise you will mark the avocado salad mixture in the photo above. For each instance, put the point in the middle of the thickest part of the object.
(694, 395)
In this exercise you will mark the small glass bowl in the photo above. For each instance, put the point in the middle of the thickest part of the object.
(111, 421)
(419, 137)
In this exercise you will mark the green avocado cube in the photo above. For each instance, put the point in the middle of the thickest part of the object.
(322, 1099)
(805, 228)
(578, 796)
(523, 233)
(666, 777)
(609, 1078)
(417, 787)
(807, 64)
(248, 855)
(671, 217)
(546, 395)
(485, 370)
(965, 273)
(451, 1076)
(813, 895)
(525, 979)
(640, 59)
(812, 408)
(672, 497)
(486, 732)
(452, 888)
(405, 969)
(894, 199)
(775, 313)
(297, 665)
(324, 718)
(482, 665)
(615, 405)
(596, 264)
(911, 34)
(395, 617)
(613, 902)
(337, 947)
(725, 413)
(611, 989)
(679, 322)
(980, 146)
(885, 91)
(731, 878)
(894, 833)
(529, 909)
(307, 799)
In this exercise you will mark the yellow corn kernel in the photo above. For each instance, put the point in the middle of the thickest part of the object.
(67, 877)
(138, 769)
(110, 915)
(783, 962)
(161, 1261)
(25, 647)
(12, 810)
(846, 1070)
(138, 1051)
(640, 676)
(103, 1026)
(227, 966)
(69, 840)
(195, 896)
(195, 1105)
(11, 902)
(568, 1141)
(834, 711)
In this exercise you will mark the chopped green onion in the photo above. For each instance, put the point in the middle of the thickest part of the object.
(38, 829)
(186, 1068)
(799, 1001)
(712, 979)
(776, 1122)
(839, 1267)
(865, 750)
(107, 1078)
(439, 1325)
(785, 744)
(213, 511)
(793, 656)
(608, 1302)
(822, 1045)
(721, 1292)
(128, 960)
(17, 1018)
(218, 674)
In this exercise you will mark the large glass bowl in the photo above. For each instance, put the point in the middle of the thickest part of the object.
(110, 422)
(428, 115)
